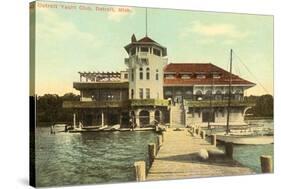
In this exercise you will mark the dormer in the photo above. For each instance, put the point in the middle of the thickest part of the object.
(216, 75)
(200, 75)
(185, 75)
(170, 75)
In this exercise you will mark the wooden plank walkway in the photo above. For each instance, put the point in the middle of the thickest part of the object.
(178, 158)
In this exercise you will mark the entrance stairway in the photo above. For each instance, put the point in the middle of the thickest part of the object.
(177, 116)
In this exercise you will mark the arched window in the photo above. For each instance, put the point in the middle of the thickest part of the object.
(198, 95)
(156, 75)
(147, 73)
(218, 95)
(208, 95)
(238, 95)
(141, 73)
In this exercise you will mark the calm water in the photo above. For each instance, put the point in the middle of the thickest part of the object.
(107, 157)
(249, 155)
(73, 158)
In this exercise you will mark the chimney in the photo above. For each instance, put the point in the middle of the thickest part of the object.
(133, 38)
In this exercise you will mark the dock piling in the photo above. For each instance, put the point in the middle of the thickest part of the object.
(266, 164)
(140, 171)
(229, 149)
(214, 140)
(151, 153)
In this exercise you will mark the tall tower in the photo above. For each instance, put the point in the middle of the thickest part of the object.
(146, 61)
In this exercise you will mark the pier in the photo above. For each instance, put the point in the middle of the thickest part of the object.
(185, 153)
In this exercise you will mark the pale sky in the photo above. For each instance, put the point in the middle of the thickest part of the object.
(69, 40)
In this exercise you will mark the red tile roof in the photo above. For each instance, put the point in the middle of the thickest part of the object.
(200, 68)
(146, 40)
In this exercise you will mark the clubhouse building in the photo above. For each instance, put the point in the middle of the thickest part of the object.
(152, 90)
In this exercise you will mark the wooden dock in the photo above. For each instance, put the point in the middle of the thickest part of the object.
(178, 158)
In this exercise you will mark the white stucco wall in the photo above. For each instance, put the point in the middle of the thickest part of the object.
(155, 86)
(236, 117)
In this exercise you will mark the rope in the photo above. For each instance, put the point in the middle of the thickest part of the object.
(251, 73)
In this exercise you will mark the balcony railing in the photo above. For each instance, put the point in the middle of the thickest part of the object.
(216, 103)
(95, 104)
(101, 85)
(149, 102)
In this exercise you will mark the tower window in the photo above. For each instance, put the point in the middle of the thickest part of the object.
(125, 76)
(156, 52)
(132, 75)
(147, 73)
(141, 93)
(147, 93)
(157, 75)
(144, 49)
(141, 74)
(144, 61)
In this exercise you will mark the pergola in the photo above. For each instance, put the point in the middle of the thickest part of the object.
(99, 76)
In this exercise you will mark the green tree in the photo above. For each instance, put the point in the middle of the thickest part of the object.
(49, 108)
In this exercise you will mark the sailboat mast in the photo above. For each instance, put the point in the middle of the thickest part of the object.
(229, 94)
(145, 22)
(211, 98)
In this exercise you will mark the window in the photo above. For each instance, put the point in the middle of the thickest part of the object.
(218, 95)
(200, 76)
(198, 95)
(132, 76)
(156, 52)
(141, 93)
(144, 49)
(208, 116)
(133, 51)
(185, 76)
(132, 93)
(141, 74)
(126, 76)
(147, 74)
(216, 76)
(169, 76)
(157, 75)
(144, 61)
(147, 93)
(238, 95)
(188, 95)
(208, 95)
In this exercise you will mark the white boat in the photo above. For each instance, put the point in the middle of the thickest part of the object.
(113, 128)
(246, 139)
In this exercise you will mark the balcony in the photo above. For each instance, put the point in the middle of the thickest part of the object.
(96, 104)
(217, 103)
(149, 102)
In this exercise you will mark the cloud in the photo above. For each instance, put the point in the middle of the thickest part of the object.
(119, 13)
(52, 27)
(227, 31)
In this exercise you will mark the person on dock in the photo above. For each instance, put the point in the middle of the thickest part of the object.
(132, 123)
(52, 128)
